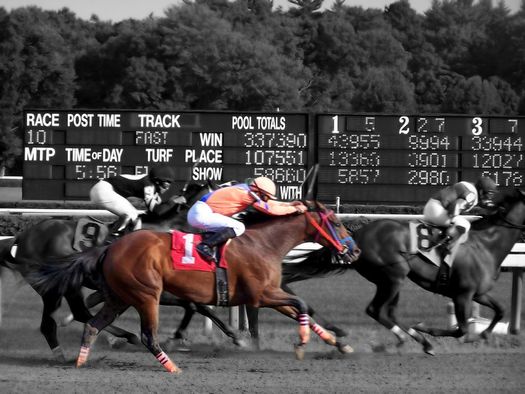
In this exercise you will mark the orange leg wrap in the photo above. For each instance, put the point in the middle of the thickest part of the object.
(304, 328)
(82, 356)
(167, 363)
(323, 334)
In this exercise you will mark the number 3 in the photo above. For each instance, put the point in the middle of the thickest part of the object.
(477, 125)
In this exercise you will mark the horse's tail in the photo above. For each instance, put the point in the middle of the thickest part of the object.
(68, 273)
(311, 264)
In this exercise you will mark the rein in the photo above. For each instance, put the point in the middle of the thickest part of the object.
(333, 238)
(509, 224)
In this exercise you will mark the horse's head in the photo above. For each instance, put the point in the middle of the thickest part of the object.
(510, 207)
(328, 230)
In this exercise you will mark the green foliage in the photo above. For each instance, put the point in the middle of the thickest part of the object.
(460, 56)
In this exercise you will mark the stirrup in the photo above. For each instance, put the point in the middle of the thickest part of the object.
(206, 252)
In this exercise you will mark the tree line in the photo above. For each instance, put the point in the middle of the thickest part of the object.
(457, 57)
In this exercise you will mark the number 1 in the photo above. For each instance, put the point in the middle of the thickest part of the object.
(336, 124)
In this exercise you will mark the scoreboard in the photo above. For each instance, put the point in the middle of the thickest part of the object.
(363, 158)
(405, 158)
(66, 151)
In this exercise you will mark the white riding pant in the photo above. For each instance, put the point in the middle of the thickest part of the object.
(105, 196)
(201, 216)
(435, 213)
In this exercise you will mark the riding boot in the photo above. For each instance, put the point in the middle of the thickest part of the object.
(136, 224)
(120, 225)
(450, 243)
(205, 248)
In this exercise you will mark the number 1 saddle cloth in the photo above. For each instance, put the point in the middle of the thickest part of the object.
(186, 257)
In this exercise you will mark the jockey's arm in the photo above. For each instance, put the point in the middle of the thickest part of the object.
(277, 208)
(151, 198)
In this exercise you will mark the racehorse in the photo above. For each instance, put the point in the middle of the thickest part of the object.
(386, 261)
(137, 268)
(53, 238)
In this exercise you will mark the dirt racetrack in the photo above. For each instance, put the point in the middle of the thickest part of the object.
(217, 366)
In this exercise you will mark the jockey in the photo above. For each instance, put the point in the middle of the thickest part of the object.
(214, 211)
(112, 194)
(444, 208)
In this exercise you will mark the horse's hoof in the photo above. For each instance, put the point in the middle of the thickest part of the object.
(242, 343)
(176, 371)
(428, 349)
(66, 320)
(116, 343)
(400, 342)
(485, 334)
(299, 352)
(59, 355)
(177, 345)
(344, 348)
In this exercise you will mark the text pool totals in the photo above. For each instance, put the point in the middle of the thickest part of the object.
(406, 158)
(66, 151)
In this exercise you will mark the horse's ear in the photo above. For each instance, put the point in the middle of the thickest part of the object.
(310, 193)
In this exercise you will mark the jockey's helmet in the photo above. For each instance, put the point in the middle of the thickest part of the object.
(162, 176)
(486, 188)
(264, 186)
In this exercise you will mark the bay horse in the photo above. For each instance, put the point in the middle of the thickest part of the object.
(386, 261)
(53, 238)
(137, 268)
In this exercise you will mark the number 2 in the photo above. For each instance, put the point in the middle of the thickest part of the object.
(404, 129)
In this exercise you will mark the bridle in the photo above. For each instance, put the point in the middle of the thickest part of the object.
(342, 245)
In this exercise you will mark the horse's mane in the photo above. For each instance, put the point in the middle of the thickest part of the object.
(355, 224)
(311, 264)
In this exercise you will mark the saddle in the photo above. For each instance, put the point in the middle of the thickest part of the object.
(430, 242)
(186, 257)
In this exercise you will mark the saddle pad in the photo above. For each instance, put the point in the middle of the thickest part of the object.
(185, 257)
(89, 233)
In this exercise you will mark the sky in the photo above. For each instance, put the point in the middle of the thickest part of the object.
(117, 10)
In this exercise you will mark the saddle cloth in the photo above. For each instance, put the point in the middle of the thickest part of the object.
(89, 233)
(424, 238)
(185, 257)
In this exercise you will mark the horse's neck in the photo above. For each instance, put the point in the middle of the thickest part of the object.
(280, 235)
(499, 241)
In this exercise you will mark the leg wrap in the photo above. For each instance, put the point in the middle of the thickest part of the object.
(323, 334)
(304, 328)
(167, 363)
(82, 356)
